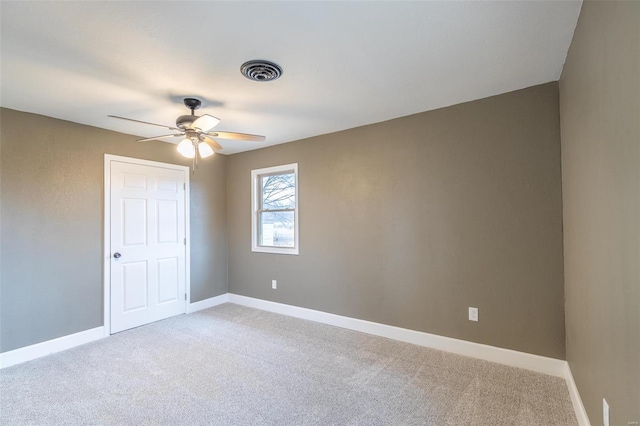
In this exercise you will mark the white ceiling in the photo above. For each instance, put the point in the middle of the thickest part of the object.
(346, 64)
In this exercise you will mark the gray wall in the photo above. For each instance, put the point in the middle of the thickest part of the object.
(411, 221)
(600, 116)
(51, 231)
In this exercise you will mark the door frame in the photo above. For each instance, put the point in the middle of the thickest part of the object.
(106, 253)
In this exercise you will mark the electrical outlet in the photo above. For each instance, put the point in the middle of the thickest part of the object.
(473, 314)
(274, 284)
(605, 412)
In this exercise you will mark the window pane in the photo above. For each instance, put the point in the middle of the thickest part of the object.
(276, 229)
(278, 191)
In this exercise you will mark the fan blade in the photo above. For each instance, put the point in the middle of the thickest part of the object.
(215, 145)
(145, 122)
(205, 122)
(237, 136)
(159, 137)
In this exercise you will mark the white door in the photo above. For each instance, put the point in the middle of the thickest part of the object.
(148, 246)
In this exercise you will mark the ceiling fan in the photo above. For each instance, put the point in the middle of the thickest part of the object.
(196, 132)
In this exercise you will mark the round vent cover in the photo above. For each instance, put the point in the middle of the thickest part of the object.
(261, 70)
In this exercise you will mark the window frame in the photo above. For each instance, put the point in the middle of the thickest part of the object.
(256, 209)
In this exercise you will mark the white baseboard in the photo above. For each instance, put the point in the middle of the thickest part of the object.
(28, 353)
(537, 363)
(18, 356)
(581, 413)
(208, 303)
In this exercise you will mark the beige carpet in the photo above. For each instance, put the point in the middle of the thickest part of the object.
(232, 365)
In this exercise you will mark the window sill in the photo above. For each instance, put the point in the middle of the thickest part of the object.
(275, 250)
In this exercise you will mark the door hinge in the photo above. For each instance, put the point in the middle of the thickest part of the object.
(185, 241)
(184, 186)
(185, 296)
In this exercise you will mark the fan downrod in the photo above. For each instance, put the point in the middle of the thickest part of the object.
(192, 103)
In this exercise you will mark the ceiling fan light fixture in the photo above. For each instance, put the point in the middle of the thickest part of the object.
(194, 131)
(205, 150)
(186, 148)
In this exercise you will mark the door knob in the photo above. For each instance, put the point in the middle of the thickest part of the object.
(117, 255)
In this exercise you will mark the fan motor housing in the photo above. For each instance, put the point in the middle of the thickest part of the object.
(185, 121)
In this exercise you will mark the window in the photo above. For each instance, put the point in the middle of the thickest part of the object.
(274, 203)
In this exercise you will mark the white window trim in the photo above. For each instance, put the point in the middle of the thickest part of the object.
(255, 193)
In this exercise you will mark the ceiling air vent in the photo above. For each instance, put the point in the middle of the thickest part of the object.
(261, 70)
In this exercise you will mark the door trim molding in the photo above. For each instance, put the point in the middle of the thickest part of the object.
(106, 253)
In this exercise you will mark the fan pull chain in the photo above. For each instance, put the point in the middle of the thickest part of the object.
(193, 162)
(194, 165)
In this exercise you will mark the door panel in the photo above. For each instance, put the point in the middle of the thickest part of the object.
(135, 181)
(167, 184)
(134, 222)
(168, 221)
(148, 228)
(167, 279)
(135, 284)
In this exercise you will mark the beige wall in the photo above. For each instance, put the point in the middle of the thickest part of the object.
(411, 221)
(51, 224)
(600, 116)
